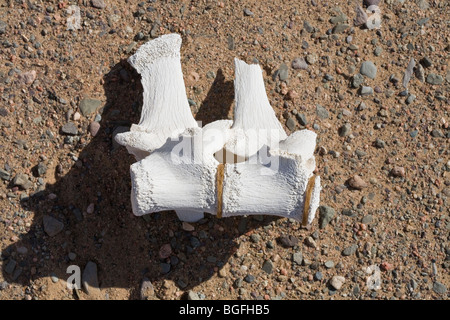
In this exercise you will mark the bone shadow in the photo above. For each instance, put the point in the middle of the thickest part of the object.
(124, 247)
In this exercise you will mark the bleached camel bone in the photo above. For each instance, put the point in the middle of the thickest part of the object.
(178, 167)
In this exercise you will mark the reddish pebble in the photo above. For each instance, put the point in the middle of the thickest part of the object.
(386, 266)
(94, 127)
(165, 251)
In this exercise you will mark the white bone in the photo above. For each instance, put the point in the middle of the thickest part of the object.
(177, 167)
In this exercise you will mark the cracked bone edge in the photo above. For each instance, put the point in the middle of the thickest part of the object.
(276, 188)
(255, 123)
(165, 111)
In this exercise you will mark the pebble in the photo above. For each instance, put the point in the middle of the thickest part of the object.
(3, 285)
(88, 106)
(329, 264)
(41, 169)
(299, 64)
(290, 123)
(408, 72)
(147, 291)
(357, 182)
(367, 219)
(267, 266)
(361, 16)
(326, 214)
(288, 240)
(3, 26)
(339, 28)
(255, 238)
(309, 241)
(10, 266)
(410, 99)
(22, 250)
(283, 72)
(337, 282)
(164, 268)
(54, 278)
(22, 180)
(297, 257)
(357, 80)
(318, 276)
(380, 143)
(426, 62)
(369, 3)
(72, 256)
(311, 58)
(377, 52)
(301, 118)
(249, 278)
(248, 13)
(345, 130)
(27, 78)
(192, 295)
(350, 250)
(368, 69)
(90, 278)
(94, 127)
(436, 133)
(99, 4)
(398, 171)
(439, 288)
(434, 79)
(165, 251)
(321, 112)
(70, 129)
(52, 226)
(419, 72)
(186, 226)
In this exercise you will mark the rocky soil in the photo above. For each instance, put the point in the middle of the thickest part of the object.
(377, 98)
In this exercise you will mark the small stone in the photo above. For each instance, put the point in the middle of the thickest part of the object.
(311, 58)
(186, 226)
(318, 276)
(337, 282)
(22, 250)
(164, 268)
(426, 62)
(299, 64)
(70, 129)
(99, 4)
(41, 169)
(88, 106)
(268, 266)
(288, 240)
(308, 27)
(90, 278)
(309, 241)
(72, 256)
(297, 257)
(165, 251)
(410, 99)
(357, 80)
(3, 26)
(329, 264)
(339, 19)
(339, 28)
(255, 238)
(439, 288)
(408, 72)
(301, 118)
(3, 285)
(345, 130)
(367, 219)
(398, 171)
(27, 78)
(321, 112)
(94, 127)
(147, 291)
(249, 278)
(368, 69)
(22, 180)
(350, 250)
(419, 72)
(54, 278)
(386, 266)
(290, 123)
(380, 143)
(52, 226)
(90, 209)
(361, 16)
(248, 13)
(10, 266)
(436, 133)
(357, 183)
(434, 79)
(283, 72)
(369, 3)
(192, 295)
(374, 21)
(377, 52)
(326, 214)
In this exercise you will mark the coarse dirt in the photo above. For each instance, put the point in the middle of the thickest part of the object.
(395, 139)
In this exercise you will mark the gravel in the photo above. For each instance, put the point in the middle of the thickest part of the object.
(348, 251)
(434, 79)
(52, 226)
(89, 278)
(368, 69)
(89, 106)
(326, 214)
